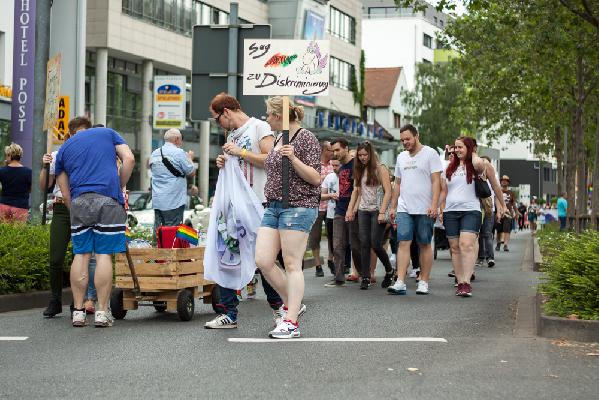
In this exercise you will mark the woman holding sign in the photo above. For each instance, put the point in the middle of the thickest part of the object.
(288, 228)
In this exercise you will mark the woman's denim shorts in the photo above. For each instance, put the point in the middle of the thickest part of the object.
(291, 219)
(461, 221)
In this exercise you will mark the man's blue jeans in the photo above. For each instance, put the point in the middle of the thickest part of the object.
(562, 223)
(229, 301)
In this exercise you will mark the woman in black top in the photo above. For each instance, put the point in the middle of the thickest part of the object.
(15, 180)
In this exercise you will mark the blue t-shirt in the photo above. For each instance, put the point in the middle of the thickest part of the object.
(89, 159)
(16, 185)
(562, 207)
(346, 187)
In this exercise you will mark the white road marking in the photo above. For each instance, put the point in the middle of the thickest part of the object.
(342, 339)
(7, 338)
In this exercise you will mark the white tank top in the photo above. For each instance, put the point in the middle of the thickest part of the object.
(460, 194)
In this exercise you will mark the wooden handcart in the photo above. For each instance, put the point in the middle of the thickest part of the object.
(169, 280)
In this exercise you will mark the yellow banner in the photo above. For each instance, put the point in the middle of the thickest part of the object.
(62, 126)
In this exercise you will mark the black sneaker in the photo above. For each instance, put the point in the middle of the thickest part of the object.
(498, 247)
(331, 266)
(387, 280)
(473, 278)
(346, 270)
(365, 284)
(505, 248)
(54, 307)
(451, 274)
(490, 263)
(319, 271)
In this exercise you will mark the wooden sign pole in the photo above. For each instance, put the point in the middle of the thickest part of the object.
(285, 160)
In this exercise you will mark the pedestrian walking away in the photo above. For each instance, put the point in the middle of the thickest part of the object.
(92, 187)
(60, 233)
(249, 139)
(372, 194)
(287, 229)
(316, 232)
(344, 230)
(15, 184)
(506, 221)
(170, 166)
(461, 211)
(562, 211)
(415, 206)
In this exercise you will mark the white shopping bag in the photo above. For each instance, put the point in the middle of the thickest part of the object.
(235, 217)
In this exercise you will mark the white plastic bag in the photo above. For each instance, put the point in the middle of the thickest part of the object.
(235, 217)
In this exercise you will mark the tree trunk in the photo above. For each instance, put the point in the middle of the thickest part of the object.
(595, 179)
(580, 153)
(570, 172)
(559, 157)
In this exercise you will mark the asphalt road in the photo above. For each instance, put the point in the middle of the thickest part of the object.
(490, 353)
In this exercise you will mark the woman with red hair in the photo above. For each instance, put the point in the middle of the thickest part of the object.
(461, 210)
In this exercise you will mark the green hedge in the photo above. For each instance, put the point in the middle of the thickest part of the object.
(24, 254)
(571, 273)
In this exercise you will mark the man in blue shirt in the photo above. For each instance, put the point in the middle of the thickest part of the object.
(88, 177)
(169, 182)
(562, 211)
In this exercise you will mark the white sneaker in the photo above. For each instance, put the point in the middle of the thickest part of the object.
(102, 319)
(79, 318)
(281, 313)
(285, 330)
(422, 287)
(222, 321)
(414, 273)
(398, 288)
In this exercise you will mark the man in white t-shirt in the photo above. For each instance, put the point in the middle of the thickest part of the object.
(250, 139)
(330, 194)
(415, 202)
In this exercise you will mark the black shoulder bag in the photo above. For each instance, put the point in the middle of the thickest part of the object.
(481, 188)
(170, 166)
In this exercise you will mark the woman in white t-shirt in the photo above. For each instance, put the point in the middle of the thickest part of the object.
(461, 211)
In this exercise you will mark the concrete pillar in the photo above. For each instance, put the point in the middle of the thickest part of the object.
(145, 132)
(204, 160)
(101, 86)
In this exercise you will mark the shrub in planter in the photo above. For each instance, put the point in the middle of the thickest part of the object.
(24, 254)
(571, 267)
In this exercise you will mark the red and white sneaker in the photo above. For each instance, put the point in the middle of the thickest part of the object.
(285, 330)
(466, 290)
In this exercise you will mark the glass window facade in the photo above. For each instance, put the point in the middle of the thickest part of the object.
(427, 41)
(341, 73)
(176, 15)
(342, 26)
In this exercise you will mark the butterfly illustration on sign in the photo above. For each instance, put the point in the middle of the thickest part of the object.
(312, 61)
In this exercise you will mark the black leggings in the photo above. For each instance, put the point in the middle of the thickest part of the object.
(371, 236)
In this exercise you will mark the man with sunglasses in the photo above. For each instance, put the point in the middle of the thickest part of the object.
(250, 140)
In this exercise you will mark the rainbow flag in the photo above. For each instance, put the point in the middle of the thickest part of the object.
(188, 234)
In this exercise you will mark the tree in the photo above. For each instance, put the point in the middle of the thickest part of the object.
(357, 88)
(432, 104)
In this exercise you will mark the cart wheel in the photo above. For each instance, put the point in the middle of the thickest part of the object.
(160, 306)
(435, 254)
(116, 304)
(185, 305)
(215, 297)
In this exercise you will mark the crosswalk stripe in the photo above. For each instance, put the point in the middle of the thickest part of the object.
(13, 338)
(397, 339)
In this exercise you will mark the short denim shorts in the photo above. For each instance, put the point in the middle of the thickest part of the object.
(291, 219)
(414, 227)
(461, 221)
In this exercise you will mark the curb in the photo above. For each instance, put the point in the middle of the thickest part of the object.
(26, 301)
(563, 328)
(537, 257)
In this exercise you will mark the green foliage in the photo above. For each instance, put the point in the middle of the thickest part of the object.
(571, 268)
(357, 88)
(433, 104)
(24, 251)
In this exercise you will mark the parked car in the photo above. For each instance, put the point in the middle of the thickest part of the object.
(141, 212)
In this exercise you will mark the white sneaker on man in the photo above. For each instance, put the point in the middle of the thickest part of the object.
(79, 319)
(398, 288)
(422, 287)
(222, 321)
(414, 273)
(102, 319)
